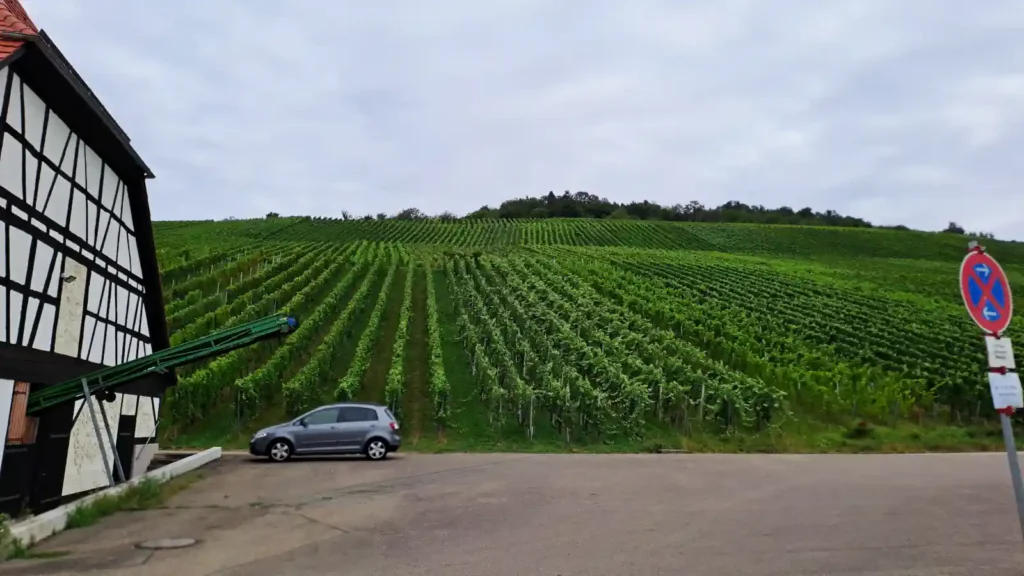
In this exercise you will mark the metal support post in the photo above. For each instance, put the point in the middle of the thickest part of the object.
(113, 445)
(96, 429)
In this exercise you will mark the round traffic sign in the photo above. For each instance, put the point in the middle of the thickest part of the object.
(986, 292)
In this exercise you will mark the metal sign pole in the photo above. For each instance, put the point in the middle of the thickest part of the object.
(96, 429)
(1011, 456)
(1010, 441)
(985, 290)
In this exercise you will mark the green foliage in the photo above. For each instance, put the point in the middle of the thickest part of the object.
(586, 331)
(310, 385)
(259, 387)
(145, 494)
(202, 390)
(812, 242)
(396, 374)
(439, 388)
(349, 385)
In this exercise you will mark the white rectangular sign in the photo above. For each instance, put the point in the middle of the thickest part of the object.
(1006, 390)
(1000, 353)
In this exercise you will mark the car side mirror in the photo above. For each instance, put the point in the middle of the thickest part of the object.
(303, 423)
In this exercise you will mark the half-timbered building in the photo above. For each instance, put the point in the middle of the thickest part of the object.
(79, 283)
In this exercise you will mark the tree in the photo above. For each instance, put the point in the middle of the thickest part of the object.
(954, 228)
(447, 216)
(368, 217)
(484, 212)
(346, 215)
(692, 208)
(583, 204)
(382, 216)
(273, 215)
(410, 214)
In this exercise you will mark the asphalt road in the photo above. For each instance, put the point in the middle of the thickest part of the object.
(592, 515)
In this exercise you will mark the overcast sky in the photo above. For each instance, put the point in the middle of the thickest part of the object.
(907, 111)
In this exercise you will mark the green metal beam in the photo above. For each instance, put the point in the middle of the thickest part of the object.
(215, 344)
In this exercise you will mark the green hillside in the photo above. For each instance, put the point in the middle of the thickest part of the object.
(534, 334)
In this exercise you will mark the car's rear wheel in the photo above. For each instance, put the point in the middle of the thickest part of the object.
(279, 450)
(376, 449)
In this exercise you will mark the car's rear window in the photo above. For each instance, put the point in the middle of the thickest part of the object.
(390, 415)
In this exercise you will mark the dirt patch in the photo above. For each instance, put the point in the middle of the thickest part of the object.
(417, 407)
(380, 361)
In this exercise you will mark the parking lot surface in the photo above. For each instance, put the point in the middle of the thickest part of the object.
(592, 515)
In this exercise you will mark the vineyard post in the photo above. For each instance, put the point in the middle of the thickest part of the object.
(986, 293)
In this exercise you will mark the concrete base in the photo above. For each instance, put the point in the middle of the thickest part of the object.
(36, 528)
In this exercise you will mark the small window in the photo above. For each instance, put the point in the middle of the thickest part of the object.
(358, 414)
(325, 416)
(387, 411)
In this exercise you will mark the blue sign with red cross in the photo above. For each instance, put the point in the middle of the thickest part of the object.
(986, 292)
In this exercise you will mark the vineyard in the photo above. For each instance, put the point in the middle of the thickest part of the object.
(579, 332)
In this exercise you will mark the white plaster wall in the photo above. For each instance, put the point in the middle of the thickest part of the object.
(11, 167)
(84, 467)
(143, 456)
(19, 245)
(59, 201)
(129, 405)
(3, 273)
(105, 341)
(6, 397)
(146, 416)
(72, 304)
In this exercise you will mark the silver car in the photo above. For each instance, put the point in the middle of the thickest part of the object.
(344, 428)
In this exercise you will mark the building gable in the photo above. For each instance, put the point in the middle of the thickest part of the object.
(79, 282)
(74, 283)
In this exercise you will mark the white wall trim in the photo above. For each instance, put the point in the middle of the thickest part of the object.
(32, 530)
(6, 399)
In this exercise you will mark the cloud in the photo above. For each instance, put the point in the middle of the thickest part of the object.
(904, 112)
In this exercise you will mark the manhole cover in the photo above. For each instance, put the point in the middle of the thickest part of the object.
(166, 543)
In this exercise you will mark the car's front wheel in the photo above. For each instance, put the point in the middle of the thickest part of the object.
(376, 449)
(279, 450)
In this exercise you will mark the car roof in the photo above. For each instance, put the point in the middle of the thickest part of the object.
(360, 404)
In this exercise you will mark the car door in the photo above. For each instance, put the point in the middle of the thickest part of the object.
(356, 422)
(320, 434)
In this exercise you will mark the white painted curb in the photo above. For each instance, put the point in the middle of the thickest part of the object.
(36, 528)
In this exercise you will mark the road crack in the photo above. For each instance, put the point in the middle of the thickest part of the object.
(320, 522)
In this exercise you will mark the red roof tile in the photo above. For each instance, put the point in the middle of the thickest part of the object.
(13, 18)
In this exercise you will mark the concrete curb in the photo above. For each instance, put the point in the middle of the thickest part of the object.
(32, 530)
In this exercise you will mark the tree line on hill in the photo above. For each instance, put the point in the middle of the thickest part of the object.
(587, 205)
